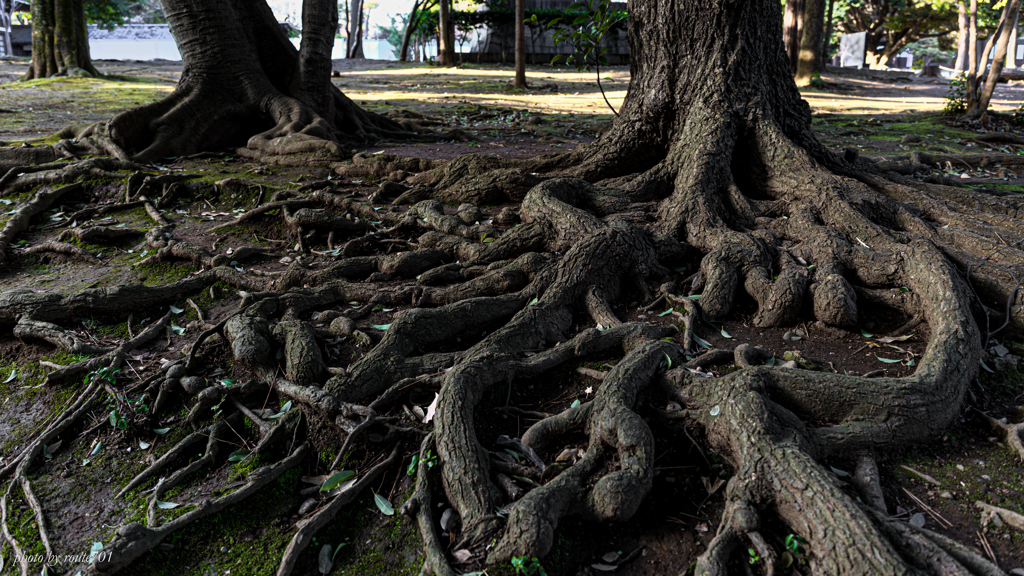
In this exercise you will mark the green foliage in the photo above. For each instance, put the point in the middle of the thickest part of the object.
(109, 14)
(530, 567)
(796, 546)
(754, 556)
(1018, 115)
(817, 82)
(586, 35)
(956, 99)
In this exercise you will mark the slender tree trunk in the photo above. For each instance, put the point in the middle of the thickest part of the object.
(355, 30)
(791, 23)
(826, 44)
(972, 56)
(410, 26)
(809, 56)
(520, 44)
(445, 35)
(1002, 42)
(962, 37)
(60, 42)
(1011, 51)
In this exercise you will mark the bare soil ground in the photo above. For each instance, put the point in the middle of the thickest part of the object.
(78, 481)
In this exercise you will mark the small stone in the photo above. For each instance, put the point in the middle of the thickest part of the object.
(449, 519)
(286, 260)
(193, 384)
(986, 477)
(911, 139)
(223, 548)
(800, 333)
(947, 495)
(960, 467)
(535, 120)
(787, 336)
(917, 520)
(790, 364)
(507, 217)
(965, 176)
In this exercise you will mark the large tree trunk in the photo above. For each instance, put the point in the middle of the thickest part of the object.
(60, 44)
(809, 57)
(245, 84)
(719, 138)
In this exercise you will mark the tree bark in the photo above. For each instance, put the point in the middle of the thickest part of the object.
(244, 84)
(520, 44)
(1002, 41)
(1011, 52)
(962, 37)
(445, 35)
(809, 59)
(410, 26)
(355, 30)
(791, 24)
(826, 44)
(60, 43)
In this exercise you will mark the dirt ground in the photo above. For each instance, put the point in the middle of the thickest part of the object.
(941, 481)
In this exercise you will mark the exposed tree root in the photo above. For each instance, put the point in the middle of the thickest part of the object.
(309, 527)
(133, 540)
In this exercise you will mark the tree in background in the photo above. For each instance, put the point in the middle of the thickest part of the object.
(445, 35)
(980, 85)
(60, 42)
(520, 81)
(893, 24)
(808, 57)
(354, 47)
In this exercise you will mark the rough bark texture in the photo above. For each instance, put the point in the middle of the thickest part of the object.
(711, 165)
(60, 45)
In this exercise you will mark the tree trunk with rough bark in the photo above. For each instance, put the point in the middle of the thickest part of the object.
(244, 84)
(711, 165)
(809, 59)
(60, 44)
